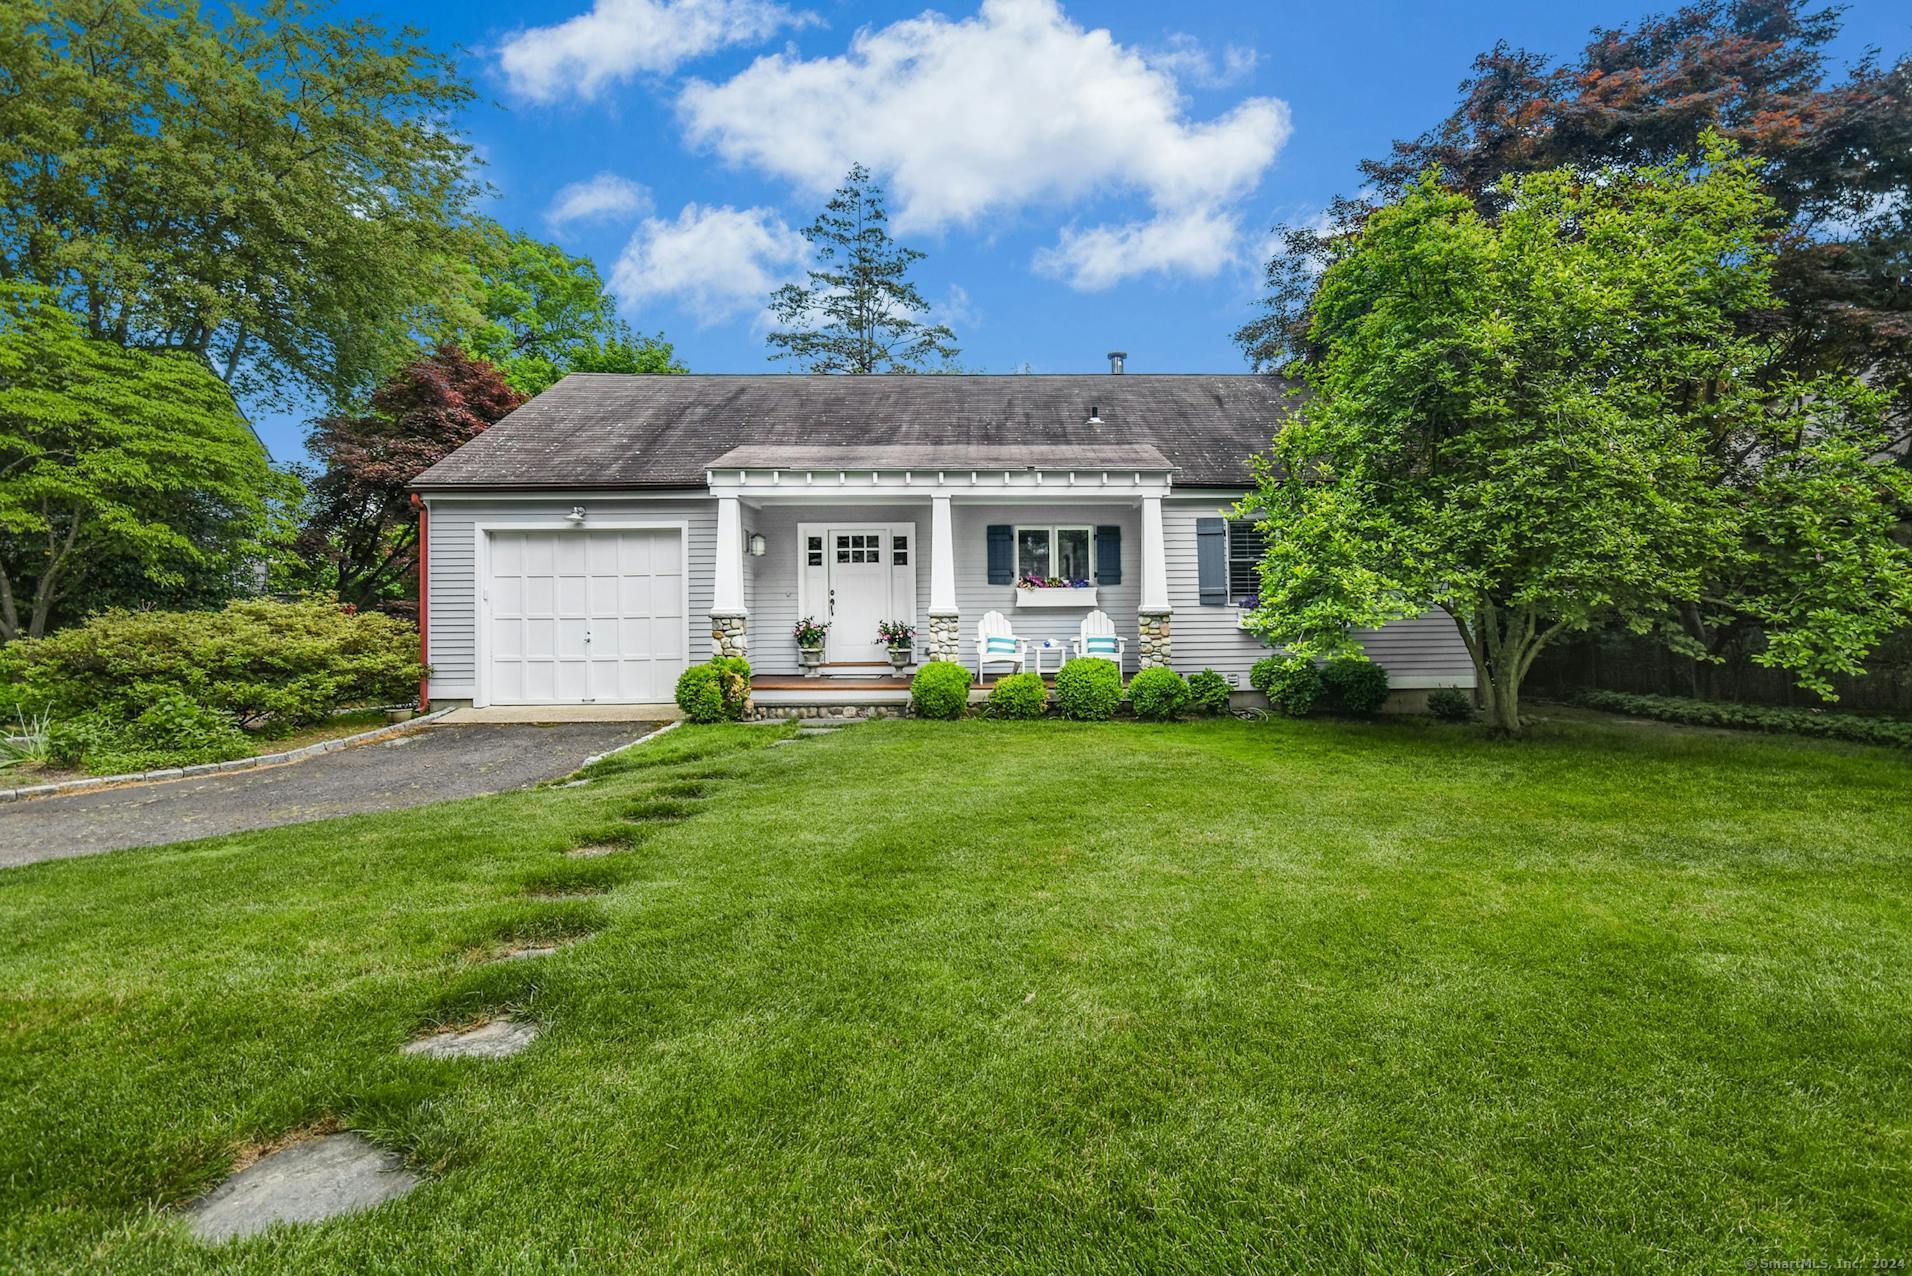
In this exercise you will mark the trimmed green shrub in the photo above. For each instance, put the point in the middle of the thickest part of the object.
(266, 665)
(1208, 693)
(138, 691)
(1450, 704)
(1292, 686)
(715, 691)
(1893, 732)
(1350, 684)
(1158, 694)
(1088, 689)
(940, 689)
(1020, 695)
(172, 731)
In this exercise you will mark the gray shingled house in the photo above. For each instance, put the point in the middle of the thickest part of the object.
(616, 528)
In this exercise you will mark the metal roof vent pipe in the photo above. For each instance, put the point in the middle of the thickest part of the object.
(1116, 359)
(1095, 415)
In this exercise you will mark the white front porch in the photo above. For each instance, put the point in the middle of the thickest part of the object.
(925, 547)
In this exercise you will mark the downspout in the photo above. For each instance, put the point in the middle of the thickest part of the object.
(424, 597)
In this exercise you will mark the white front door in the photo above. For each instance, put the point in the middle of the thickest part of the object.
(583, 616)
(859, 563)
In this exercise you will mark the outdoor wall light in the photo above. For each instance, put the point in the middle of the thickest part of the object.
(576, 516)
(758, 545)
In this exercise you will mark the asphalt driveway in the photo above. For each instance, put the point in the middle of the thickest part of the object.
(429, 765)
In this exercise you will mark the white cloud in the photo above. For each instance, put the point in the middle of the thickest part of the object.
(619, 39)
(1197, 241)
(715, 262)
(1187, 59)
(606, 197)
(1017, 105)
(955, 309)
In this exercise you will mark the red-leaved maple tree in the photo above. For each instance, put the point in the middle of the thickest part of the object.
(360, 521)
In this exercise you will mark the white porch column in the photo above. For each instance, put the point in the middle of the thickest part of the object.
(945, 625)
(728, 635)
(1152, 615)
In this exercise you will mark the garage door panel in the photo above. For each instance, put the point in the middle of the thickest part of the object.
(539, 595)
(584, 615)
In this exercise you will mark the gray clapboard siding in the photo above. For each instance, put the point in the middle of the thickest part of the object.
(1426, 647)
(453, 600)
(1204, 637)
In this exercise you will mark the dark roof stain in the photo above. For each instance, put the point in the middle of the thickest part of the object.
(606, 430)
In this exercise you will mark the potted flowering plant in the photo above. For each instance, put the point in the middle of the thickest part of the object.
(898, 637)
(809, 635)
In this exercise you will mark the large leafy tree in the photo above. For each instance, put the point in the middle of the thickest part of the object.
(360, 524)
(1517, 419)
(536, 313)
(114, 463)
(1837, 161)
(260, 189)
(859, 312)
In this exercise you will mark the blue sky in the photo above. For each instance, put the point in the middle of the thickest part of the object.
(1084, 176)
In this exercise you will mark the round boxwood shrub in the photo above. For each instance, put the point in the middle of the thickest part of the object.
(940, 689)
(1450, 705)
(1292, 686)
(1208, 692)
(716, 691)
(1020, 695)
(1088, 689)
(1158, 694)
(1353, 685)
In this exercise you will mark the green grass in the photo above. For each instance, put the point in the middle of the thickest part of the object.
(992, 996)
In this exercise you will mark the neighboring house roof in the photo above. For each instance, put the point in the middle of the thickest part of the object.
(608, 430)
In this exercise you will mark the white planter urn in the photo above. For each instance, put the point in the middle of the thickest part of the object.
(810, 657)
(899, 658)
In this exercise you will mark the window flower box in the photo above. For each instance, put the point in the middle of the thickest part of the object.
(1056, 596)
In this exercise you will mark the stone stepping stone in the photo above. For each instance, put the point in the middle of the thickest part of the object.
(305, 1183)
(520, 954)
(497, 1039)
(592, 852)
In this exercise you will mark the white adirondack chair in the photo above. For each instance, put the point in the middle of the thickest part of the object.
(1097, 638)
(997, 644)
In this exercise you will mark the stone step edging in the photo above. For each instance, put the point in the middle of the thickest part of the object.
(216, 768)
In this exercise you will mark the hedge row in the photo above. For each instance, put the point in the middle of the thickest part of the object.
(1894, 732)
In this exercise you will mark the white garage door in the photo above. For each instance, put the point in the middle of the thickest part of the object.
(585, 616)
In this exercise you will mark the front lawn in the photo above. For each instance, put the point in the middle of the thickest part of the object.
(992, 996)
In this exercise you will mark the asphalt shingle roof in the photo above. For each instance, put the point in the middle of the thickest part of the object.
(605, 430)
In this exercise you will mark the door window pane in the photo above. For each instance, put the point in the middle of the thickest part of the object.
(1032, 551)
(1072, 553)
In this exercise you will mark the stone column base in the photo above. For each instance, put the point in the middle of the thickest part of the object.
(729, 635)
(1156, 650)
(945, 635)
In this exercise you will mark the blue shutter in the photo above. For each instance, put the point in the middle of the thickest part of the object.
(1002, 554)
(1108, 556)
(1211, 560)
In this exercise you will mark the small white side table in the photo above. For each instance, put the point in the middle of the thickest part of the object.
(1038, 650)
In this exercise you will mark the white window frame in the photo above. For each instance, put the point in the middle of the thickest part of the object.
(1054, 545)
(1229, 557)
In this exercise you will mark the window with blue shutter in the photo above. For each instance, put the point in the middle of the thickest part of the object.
(1108, 555)
(1211, 560)
(1002, 553)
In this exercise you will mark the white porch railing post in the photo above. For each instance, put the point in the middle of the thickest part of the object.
(945, 630)
(728, 635)
(1153, 613)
